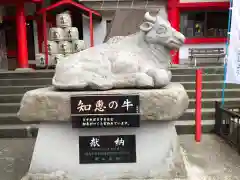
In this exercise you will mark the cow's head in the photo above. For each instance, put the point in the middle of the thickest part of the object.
(159, 31)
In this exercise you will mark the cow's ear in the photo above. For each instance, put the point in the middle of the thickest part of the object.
(146, 26)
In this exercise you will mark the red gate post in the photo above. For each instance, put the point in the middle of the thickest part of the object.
(39, 29)
(21, 36)
(91, 29)
(174, 19)
(198, 106)
(45, 37)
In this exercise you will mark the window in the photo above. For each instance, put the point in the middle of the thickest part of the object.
(204, 24)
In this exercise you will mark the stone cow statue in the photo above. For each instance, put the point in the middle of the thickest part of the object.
(139, 60)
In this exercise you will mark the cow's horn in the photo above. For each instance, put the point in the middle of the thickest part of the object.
(148, 17)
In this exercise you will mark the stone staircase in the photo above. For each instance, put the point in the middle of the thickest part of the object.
(211, 92)
(14, 84)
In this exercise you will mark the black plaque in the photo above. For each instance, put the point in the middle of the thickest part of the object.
(105, 121)
(105, 111)
(107, 149)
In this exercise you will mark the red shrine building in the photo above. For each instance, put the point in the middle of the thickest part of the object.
(24, 24)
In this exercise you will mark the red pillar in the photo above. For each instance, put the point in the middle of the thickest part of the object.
(39, 29)
(91, 29)
(174, 19)
(198, 106)
(45, 36)
(21, 36)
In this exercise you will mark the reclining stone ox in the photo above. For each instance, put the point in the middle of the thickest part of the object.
(139, 60)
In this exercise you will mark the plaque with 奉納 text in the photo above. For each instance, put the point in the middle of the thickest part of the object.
(107, 149)
(96, 111)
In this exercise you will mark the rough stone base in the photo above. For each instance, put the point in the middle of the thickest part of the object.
(58, 175)
(47, 104)
(157, 150)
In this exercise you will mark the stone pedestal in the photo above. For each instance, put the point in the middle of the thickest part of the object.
(157, 150)
(57, 147)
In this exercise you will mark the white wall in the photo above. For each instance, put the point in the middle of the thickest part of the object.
(183, 51)
(184, 1)
(35, 37)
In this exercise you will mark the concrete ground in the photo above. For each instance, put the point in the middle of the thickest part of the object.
(211, 159)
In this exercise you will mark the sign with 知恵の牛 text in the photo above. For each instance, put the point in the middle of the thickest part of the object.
(93, 111)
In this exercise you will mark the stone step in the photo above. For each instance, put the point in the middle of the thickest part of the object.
(209, 85)
(50, 73)
(18, 131)
(192, 78)
(9, 107)
(190, 114)
(25, 82)
(10, 118)
(210, 102)
(18, 89)
(211, 81)
(233, 94)
(4, 90)
(188, 126)
(10, 98)
(25, 75)
(192, 70)
(216, 93)
(48, 80)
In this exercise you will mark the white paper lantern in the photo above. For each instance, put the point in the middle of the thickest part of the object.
(78, 45)
(71, 33)
(52, 47)
(64, 20)
(55, 58)
(41, 60)
(65, 47)
(56, 34)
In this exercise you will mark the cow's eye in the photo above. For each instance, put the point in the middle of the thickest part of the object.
(161, 30)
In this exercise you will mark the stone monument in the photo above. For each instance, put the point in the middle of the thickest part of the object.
(111, 111)
(136, 61)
